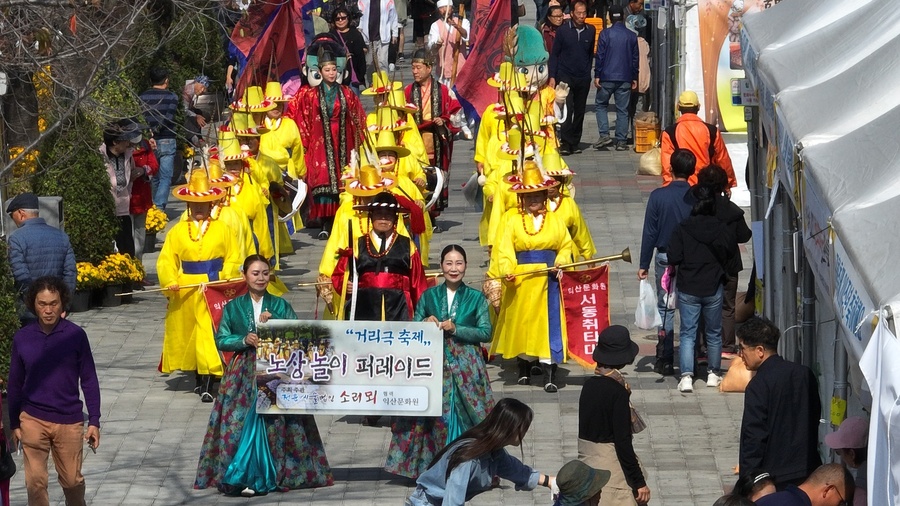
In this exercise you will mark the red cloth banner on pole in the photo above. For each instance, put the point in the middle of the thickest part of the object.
(585, 298)
(490, 21)
(270, 39)
(217, 296)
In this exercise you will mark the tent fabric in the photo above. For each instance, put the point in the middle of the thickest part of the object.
(831, 67)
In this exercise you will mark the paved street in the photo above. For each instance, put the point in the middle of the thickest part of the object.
(153, 425)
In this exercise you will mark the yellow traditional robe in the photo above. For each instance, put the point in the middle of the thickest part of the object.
(523, 326)
(188, 342)
(567, 209)
(282, 143)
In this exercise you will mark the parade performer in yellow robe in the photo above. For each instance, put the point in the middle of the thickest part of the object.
(561, 203)
(530, 325)
(247, 199)
(199, 250)
(281, 140)
(387, 93)
(249, 193)
(274, 157)
(394, 162)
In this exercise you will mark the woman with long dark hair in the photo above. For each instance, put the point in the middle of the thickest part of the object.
(468, 465)
(463, 314)
(700, 248)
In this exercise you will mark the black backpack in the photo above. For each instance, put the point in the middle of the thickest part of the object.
(712, 138)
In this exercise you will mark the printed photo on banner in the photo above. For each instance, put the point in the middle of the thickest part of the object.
(349, 368)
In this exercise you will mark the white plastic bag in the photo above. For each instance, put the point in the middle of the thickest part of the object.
(646, 315)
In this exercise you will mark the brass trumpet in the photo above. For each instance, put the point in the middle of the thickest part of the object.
(624, 255)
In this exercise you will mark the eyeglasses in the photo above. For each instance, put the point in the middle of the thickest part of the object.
(340, 18)
(843, 501)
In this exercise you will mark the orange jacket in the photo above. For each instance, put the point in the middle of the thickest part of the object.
(693, 134)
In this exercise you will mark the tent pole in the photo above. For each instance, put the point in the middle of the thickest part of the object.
(840, 369)
(774, 269)
(808, 315)
(788, 278)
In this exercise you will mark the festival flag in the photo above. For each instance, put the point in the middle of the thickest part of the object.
(585, 298)
(490, 21)
(268, 41)
(217, 296)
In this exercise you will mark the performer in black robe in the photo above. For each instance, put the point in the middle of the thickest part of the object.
(387, 267)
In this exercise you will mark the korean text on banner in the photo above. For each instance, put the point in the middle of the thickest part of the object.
(585, 296)
(349, 368)
(217, 296)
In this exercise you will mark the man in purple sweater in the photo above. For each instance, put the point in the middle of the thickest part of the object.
(49, 358)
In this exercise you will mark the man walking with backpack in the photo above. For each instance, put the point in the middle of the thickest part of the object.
(700, 138)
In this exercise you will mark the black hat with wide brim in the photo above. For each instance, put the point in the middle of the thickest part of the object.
(615, 347)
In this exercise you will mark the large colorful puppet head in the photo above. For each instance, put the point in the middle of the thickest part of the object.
(324, 46)
(530, 57)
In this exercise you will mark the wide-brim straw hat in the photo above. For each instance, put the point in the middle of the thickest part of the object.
(387, 119)
(242, 124)
(198, 189)
(253, 101)
(384, 201)
(229, 148)
(386, 141)
(532, 180)
(397, 101)
(381, 84)
(274, 92)
(218, 178)
(369, 182)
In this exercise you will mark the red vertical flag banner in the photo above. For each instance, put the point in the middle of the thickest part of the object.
(217, 296)
(490, 21)
(269, 40)
(585, 298)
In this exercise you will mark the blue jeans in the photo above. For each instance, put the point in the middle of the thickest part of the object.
(621, 92)
(667, 315)
(691, 309)
(162, 181)
(540, 11)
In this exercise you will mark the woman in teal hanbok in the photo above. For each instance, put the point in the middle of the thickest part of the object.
(244, 453)
(463, 314)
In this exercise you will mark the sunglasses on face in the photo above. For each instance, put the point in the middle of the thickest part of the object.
(341, 18)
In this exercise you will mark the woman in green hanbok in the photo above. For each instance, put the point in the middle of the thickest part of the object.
(245, 453)
(463, 314)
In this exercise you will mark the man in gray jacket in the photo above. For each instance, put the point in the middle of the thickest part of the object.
(37, 249)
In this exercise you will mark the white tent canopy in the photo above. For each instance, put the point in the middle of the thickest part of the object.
(833, 68)
(829, 70)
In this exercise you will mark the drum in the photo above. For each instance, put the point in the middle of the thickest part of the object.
(436, 190)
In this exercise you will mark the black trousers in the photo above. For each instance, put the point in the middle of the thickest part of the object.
(570, 131)
(125, 236)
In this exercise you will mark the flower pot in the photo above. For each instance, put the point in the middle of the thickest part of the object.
(81, 301)
(97, 295)
(110, 299)
(150, 243)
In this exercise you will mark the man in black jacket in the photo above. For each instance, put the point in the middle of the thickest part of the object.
(570, 63)
(779, 431)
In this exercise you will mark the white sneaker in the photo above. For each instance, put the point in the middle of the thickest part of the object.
(713, 380)
(686, 384)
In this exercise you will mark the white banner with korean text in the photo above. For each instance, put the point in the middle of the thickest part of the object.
(349, 368)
